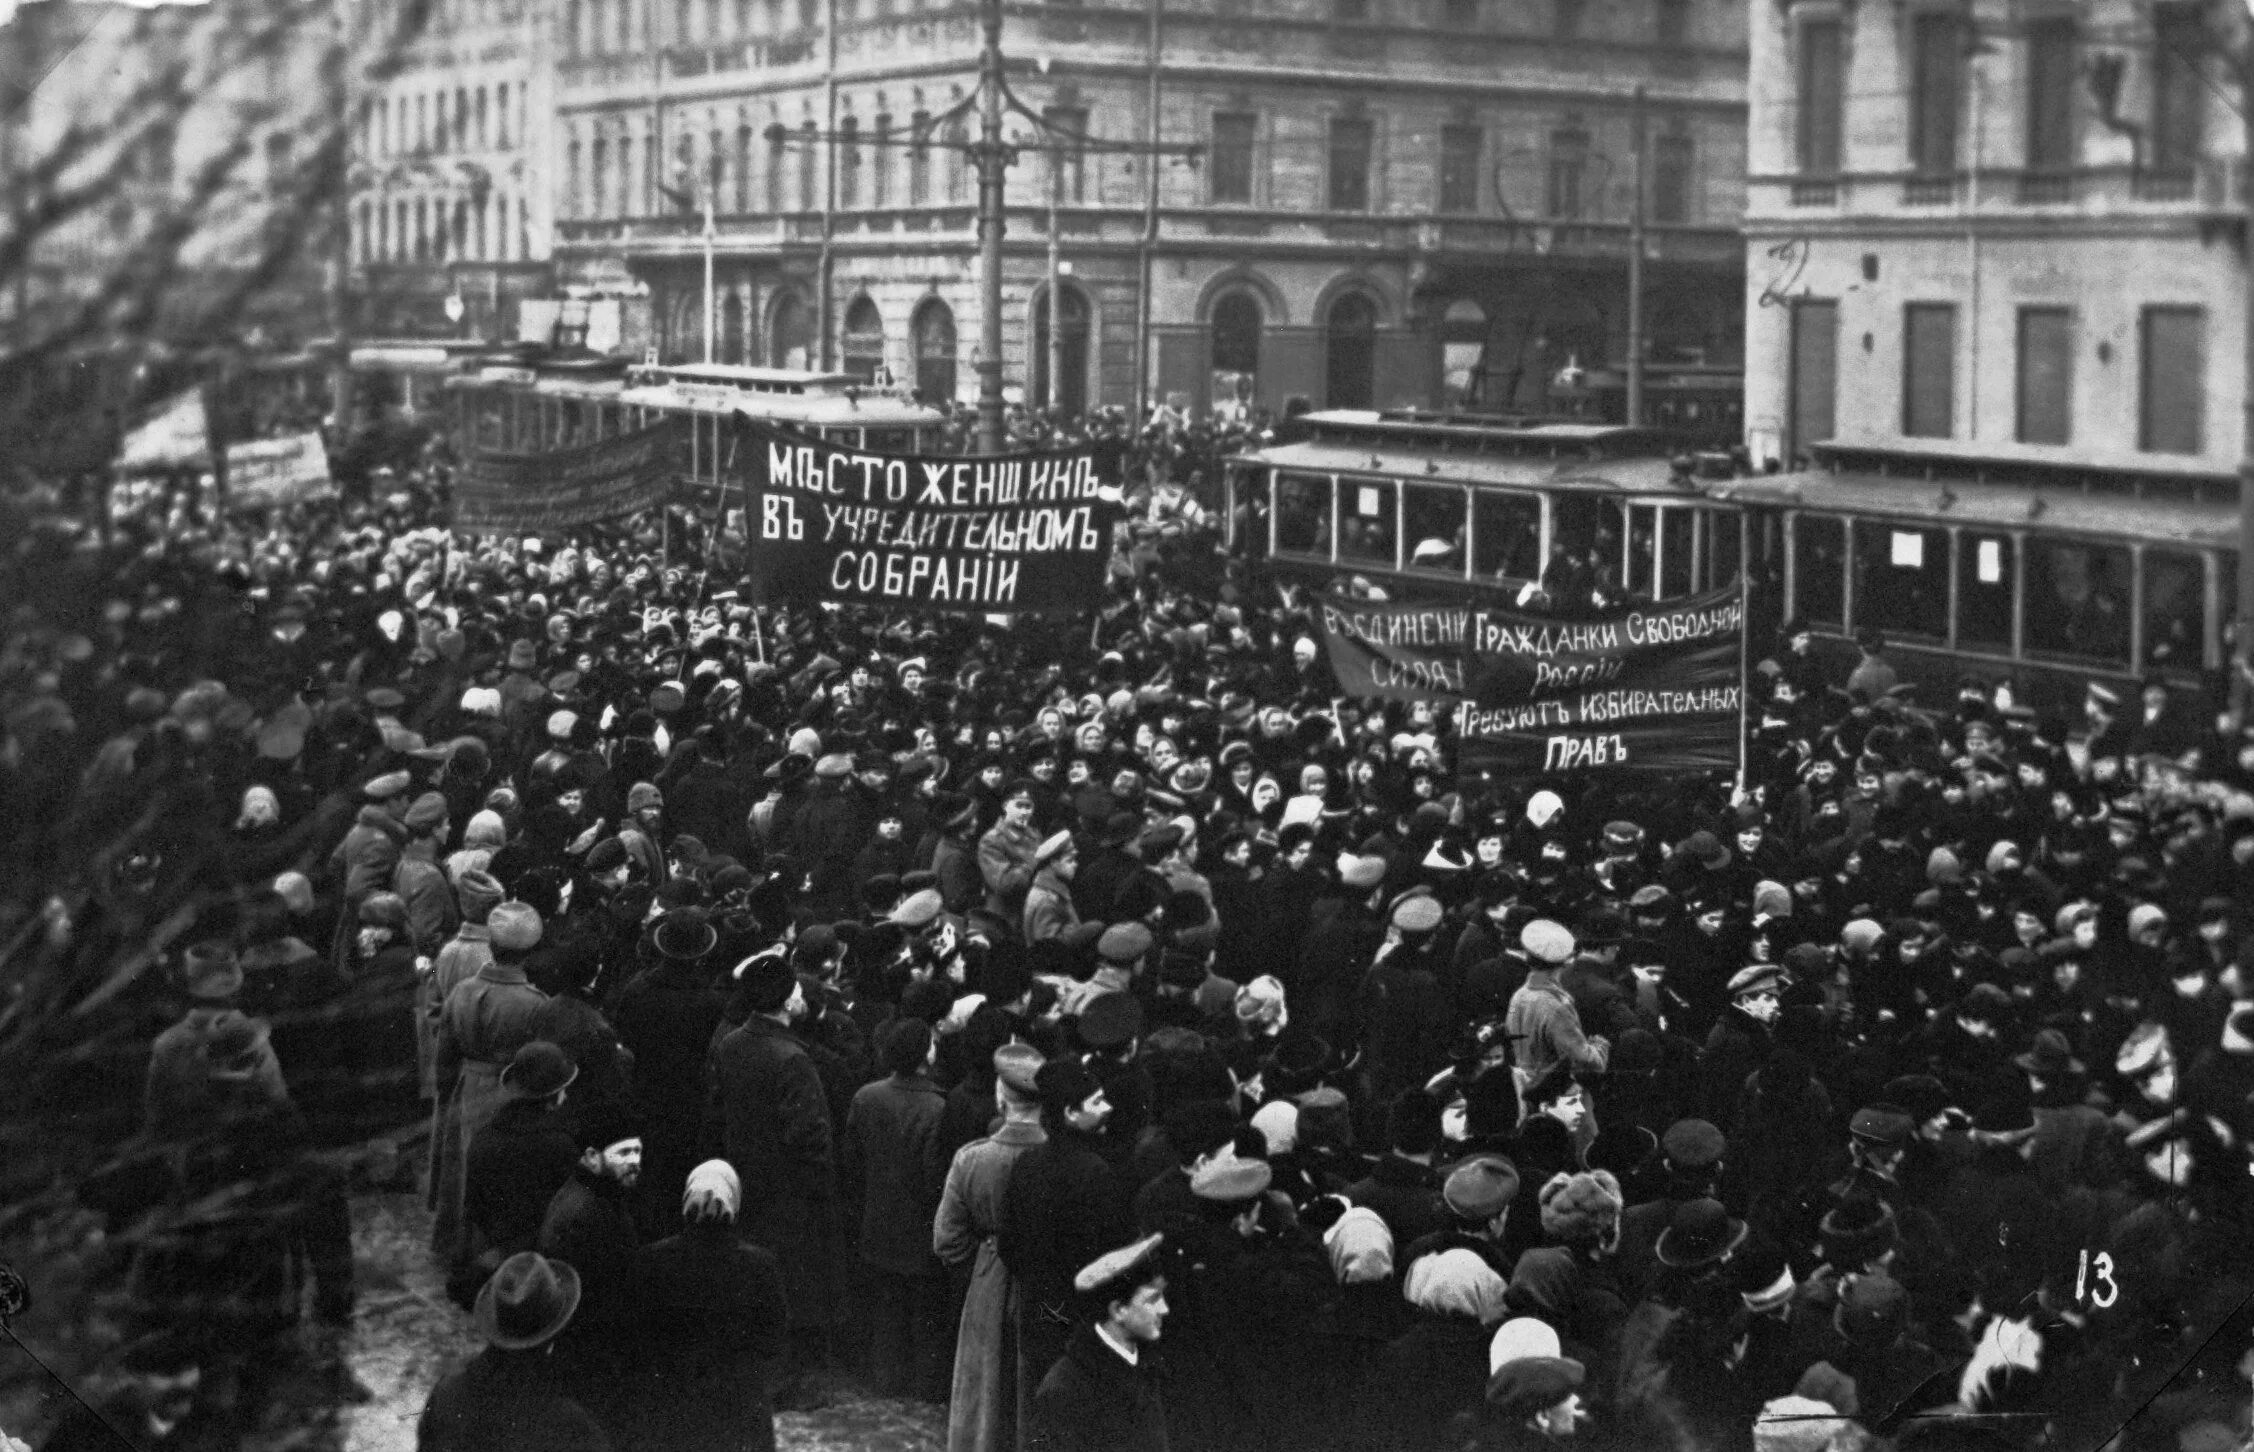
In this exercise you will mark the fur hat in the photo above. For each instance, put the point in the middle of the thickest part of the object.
(513, 927)
(1580, 1208)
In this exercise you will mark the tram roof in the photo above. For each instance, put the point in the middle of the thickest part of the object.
(755, 379)
(841, 410)
(1631, 474)
(1483, 432)
(2048, 509)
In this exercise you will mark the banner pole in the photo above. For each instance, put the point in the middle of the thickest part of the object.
(758, 636)
(1744, 716)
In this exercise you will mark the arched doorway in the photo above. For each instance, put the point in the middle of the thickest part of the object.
(1350, 352)
(1072, 373)
(790, 334)
(862, 347)
(935, 352)
(732, 327)
(1236, 351)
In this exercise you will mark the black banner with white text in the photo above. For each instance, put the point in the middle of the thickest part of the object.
(1024, 532)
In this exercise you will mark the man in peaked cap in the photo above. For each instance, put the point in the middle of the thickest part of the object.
(1007, 854)
(1542, 1019)
(432, 912)
(481, 1025)
(1476, 1196)
(1104, 1389)
(369, 853)
(1048, 901)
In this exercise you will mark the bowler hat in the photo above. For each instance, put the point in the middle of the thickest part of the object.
(527, 1301)
(1700, 1232)
(1480, 1188)
(538, 1070)
(685, 934)
(2052, 1057)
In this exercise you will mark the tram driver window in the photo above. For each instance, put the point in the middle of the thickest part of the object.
(1303, 514)
(1507, 543)
(1678, 538)
(2078, 600)
(1902, 579)
(1819, 570)
(1367, 523)
(2174, 604)
(1987, 572)
(2226, 584)
(1436, 519)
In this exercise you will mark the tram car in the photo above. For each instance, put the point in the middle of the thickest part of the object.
(523, 404)
(2044, 576)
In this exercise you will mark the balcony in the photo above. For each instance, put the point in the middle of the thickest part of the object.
(2046, 188)
(1929, 191)
(1815, 193)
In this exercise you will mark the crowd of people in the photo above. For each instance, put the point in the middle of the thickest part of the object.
(1098, 1024)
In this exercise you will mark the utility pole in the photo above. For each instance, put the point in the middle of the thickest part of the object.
(1636, 263)
(1055, 397)
(992, 164)
(711, 235)
(2242, 650)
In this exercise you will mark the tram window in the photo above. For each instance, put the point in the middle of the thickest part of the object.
(2078, 600)
(1819, 566)
(2175, 590)
(1642, 534)
(1508, 536)
(1987, 572)
(1678, 537)
(1303, 514)
(1436, 520)
(2226, 610)
(1367, 524)
(1901, 579)
(891, 441)
(1724, 530)
(1589, 530)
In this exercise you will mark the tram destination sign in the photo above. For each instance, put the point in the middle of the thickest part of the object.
(1655, 687)
(498, 493)
(1021, 533)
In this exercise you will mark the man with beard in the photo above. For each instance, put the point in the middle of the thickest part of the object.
(1064, 1203)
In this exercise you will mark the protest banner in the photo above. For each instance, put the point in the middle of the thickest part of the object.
(499, 493)
(269, 472)
(1396, 651)
(1021, 533)
(1653, 688)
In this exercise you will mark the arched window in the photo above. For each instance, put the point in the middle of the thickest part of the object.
(1463, 351)
(863, 344)
(789, 334)
(1236, 335)
(935, 352)
(1350, 352)
(1071, 395)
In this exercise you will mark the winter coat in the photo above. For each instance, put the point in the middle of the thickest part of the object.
(470, 949)
(1093, 1401)
(666, 1017)
(1064, 1206)
(982, 1410)
(1005, 864)
(484, 1022)
(767, 1114)
(712, 1330)
(1048, 907)
(517, 1164)
(590, 1227)
(507, 1401)
(891, 1153)
(369, 854)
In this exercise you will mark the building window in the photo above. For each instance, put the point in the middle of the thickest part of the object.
(1671, 178)
(2179, 87)
(1351, 139)
(1350, 352)
(598, 200)
(880, 164)
(1459, 168)
(1071, 155)
(501, 117)
(1569, 162)
(958, 169)
(807, 161)
(935, 352)
(1936, 93)
(919, 159)
(775, 152)
(862, 346)
(1929, 370)
(1233, 136)
(483, 132)
(2172, 380)
(1671, 22)
(2050, 96)
(2046, 376)
(743, 167)
(849, 161)
(1236, 334)
(644, 201)
(1818, 82)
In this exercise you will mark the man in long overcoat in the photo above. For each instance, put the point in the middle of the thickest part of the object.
(483, 1024)
(982, 1412)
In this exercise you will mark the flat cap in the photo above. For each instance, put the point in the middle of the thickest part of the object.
(1052, 848)
(834, 765)
(1756, 978)
(1123, 943)
(1361, 873)
(390, 784)
(1229, 1180)
(1693, 1144)
(918, 910)
(1110, 1019)
(1546, 941)
(1882, 1124)
(1417, 913)
(1481, 1188)
(427, 811)
(1017, 1065)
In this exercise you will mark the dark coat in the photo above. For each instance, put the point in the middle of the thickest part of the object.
(712, 1332)
(769, 1117)
(1423, 1377)
(892, 1154)
(590, 1228)
(1064, 1207)
(1406, 1196)
(517, 1164)
(1093, 1401)
(506, 1401)
(577, 1027)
